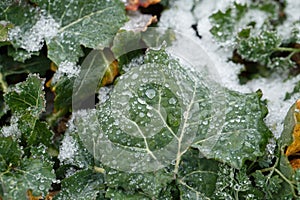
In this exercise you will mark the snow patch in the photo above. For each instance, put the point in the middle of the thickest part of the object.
(12, 130)
(32, 40)
(70, 69)
(68, 149)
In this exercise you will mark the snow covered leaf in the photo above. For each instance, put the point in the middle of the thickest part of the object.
(83, 185)
(225, 22)
(259, 48)
(27, 97)
(244, 134)
(81, 23)
(23, 35)
(72, 152)
(239, 17)
(32, 174)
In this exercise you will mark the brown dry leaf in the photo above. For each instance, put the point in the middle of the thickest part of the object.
(295, 163)
(31, 197)
(295, 146)
(53, 68)
(138, 22)
(110, 74)
(135, 4)
(51, 195)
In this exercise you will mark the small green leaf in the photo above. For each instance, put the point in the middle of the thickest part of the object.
(10, 153)
(83, 185)
(259, 48)
(197, 176)
(27, 97)
(32, 174)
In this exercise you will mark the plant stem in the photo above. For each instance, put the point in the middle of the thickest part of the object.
(3, 83)
(287, 49)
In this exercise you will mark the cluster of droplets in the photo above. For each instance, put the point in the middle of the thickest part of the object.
(230, 182)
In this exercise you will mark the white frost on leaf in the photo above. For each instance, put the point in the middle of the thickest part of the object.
(68, 149)
(70, 69)
(103, 94)
(12, 130)
(33, 39)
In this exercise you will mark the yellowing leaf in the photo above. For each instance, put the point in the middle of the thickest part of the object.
(110, 74)
(30, 196)
(295, 146)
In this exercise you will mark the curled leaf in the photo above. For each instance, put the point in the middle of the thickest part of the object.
(295, 146)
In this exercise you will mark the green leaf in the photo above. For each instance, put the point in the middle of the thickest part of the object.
(63, 89)
(115, 194)
(82, 23)
(225, 22)
(27, 102)
(37, 64)
(4, 27)
(259, 48)
(83, 185)
(27, 97)
(146, 185)
(244, 135)
(32, 174)
(10, 153)
(35, 131)
(295, 91)
(197, 176)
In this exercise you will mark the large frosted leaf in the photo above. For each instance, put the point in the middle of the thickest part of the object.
(159, 122)
(244, 134)
(81, 23)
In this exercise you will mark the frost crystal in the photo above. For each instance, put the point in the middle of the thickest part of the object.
(32, 40)
(67, 149)
(104, 94)
(70, 69)
(12, 130)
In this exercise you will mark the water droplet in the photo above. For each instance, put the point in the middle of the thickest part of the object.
(150, 93)
(172, 101)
